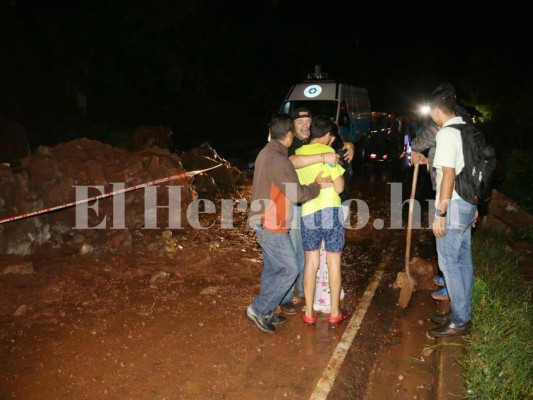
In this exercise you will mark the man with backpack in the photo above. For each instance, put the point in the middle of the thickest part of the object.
(454, 216)
(424, 141)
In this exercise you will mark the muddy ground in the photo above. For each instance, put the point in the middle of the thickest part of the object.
(166, 320)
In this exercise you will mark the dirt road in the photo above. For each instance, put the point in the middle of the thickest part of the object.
(166, 321)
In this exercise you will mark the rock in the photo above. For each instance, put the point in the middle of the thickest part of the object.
(21, 268)
(86, 249)
(19, 236)
(497, 225)
(204, 156)
(226, 177)
(60, 229)
(509, 207)
(205, 150)
(167, 234)
(193, 161)
(209, 290)
(171, 246)
(20, 311)
(44, 151)
(423, 271)
(121, 240)
(505, 215)
(205, 186)
(428, 351)
(159, 275)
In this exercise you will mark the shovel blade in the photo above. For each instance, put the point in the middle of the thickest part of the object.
(406, 290)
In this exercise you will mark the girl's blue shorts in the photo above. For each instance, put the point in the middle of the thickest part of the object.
(326, 224)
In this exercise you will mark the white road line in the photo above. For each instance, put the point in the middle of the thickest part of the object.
(331, 371)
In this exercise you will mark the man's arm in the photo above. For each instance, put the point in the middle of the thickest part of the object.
(446, 189)
(285, 178)
(301, 161)
(426, 139)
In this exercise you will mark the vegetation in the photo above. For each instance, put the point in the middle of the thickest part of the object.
(505, 118)
(498, 361)
(518, 170)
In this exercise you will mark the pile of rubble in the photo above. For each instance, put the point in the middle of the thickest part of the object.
(82, 169)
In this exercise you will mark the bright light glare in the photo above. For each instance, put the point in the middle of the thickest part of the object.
(424, 109)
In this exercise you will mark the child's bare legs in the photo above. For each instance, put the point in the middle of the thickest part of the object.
(312, 262)
(334, 275)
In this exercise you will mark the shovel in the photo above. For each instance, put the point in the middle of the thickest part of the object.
(404, 279)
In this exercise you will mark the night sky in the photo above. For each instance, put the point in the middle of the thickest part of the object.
(216, 71)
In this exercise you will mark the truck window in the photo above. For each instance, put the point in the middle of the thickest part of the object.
(317, 107)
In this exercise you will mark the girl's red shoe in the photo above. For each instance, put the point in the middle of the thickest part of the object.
(310, 321)
(334, 321)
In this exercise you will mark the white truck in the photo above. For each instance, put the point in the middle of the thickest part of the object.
(346, 104)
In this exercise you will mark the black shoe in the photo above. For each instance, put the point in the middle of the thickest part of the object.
(277, 319)
(288, 308)
(440, 318)
(262, 323)
(450, 329)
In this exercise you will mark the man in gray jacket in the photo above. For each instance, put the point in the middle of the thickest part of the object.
(425, 141)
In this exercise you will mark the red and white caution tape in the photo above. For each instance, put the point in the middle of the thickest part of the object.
(179, 177)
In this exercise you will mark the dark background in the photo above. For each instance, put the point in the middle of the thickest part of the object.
(216, 71)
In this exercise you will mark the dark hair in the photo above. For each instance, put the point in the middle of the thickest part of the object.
(338, 146)
(443, 97)
(280, 125)
(321, 126)
(445, 86)
(337, 143)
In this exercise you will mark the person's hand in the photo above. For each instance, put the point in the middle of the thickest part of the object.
(475, 219)
(331, 158)
(350, 151)
(324, 182)
(439, 226)
(418, 158)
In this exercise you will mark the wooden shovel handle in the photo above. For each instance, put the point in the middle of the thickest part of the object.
(410, 219)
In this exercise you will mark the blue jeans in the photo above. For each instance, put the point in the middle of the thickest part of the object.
(455, 259)
(296, 237)
(279, 270)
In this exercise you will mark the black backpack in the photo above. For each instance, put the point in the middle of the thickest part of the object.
(474, 182)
